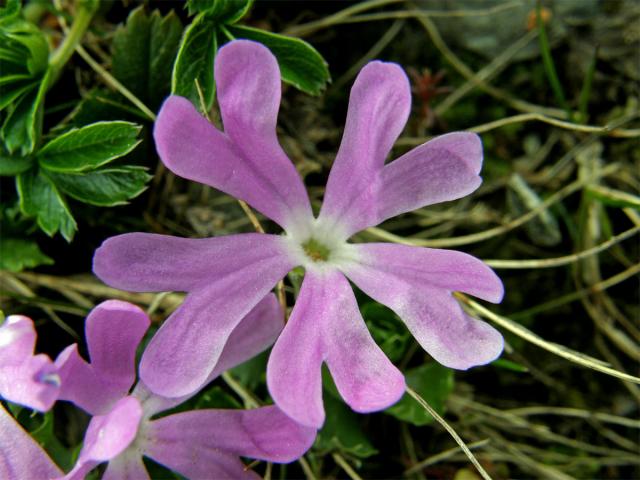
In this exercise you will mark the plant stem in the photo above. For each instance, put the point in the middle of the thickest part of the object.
(58, 59)
(547, 61)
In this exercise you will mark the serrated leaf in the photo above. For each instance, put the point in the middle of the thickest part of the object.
(19, 131)
(105, 187)
(39, 198)
(98, 105)
(10, 165)
(434, 383)
(143, 51)
(16, 254)
(341, 432)
(89, 147)
(300, 64)
(13, 53)
(221, 11)
(195, 62)
(29, 36)
(12, 92)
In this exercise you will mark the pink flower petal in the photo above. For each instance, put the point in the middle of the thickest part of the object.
(108, 436)
(326, 325)
(379, 106)
(28, 379)
(114, 330)
(445, 168)
(185, 350)
(417, 282)
(248, 88)
(211, 435)
(255, 333)
(209, 464)
(364, 376)
(246, 161)
(147, 262)
(20, 456)
(294, 368)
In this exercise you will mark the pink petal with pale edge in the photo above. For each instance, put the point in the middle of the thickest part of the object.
(255, 333)
(193, 443)
(326, 325)
(113, 329)
(245, 161)
(379, 106)
(242, 271)
(417, 283)
(108, 436)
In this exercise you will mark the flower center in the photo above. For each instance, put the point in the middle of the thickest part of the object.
(316, 251)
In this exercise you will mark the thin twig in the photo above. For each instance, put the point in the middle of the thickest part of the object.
(451, 431)
(114, 83)
(577, 295)
(443, 456)
(564, 260)
(560, 350)
(340, 460)
(337, 18)
(247, 397)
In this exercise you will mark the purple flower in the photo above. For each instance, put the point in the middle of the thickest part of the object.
(196, 444)
(227, 276)
(28, 379)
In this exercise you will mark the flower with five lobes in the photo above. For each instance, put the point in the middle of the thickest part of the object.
(226, 276)
(197, 444)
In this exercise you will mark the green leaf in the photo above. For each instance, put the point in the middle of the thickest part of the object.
(89, 147)
(300, 64)
(434, 383)
(221, 11)
(13, 53)
(387, 330)
(39, 198)
(10, 165)
(11, 92)
(46, 438)
(509, 365)
(9, 12)
(252, 373)
(143, 51)
(341, 432)
(16, 254)
(104, 188)
(29, 36)
(195, 62)
(216, 397)
(19, 131)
